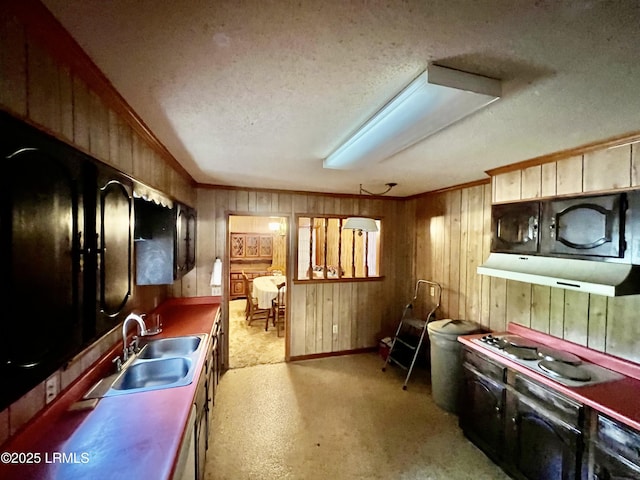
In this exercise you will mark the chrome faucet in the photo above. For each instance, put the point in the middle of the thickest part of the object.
(126, 351)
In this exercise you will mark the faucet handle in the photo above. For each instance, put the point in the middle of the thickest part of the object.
(118, 362)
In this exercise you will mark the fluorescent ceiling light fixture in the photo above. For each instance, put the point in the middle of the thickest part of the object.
(361, 224)
(436, 99)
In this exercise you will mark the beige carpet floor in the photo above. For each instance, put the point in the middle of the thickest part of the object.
(336, 418)
(249, 344)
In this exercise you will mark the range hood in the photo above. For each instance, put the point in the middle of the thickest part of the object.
(603, 278)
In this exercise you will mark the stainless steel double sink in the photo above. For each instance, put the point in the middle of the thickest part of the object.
(160, 364)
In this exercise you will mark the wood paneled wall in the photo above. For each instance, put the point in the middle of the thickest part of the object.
(452, 238)
(362, 311)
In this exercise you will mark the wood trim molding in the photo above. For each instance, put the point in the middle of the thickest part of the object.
(44, 28)
(617, 141)
(475, 183)
(315, 356)
(209, 186)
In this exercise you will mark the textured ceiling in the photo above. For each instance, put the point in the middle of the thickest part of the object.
(258, 93)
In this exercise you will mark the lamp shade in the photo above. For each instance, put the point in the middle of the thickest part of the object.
(436, 99)
(360, 223)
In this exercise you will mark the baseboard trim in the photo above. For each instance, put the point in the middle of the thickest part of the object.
(314, 356)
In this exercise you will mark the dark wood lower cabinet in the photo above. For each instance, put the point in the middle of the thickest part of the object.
(202, 426)
(614, 450)
(482, 419)
(541, 446)
(532, 432)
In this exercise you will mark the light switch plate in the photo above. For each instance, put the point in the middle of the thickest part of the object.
(335, 329)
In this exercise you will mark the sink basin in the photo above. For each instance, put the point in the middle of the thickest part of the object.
(170, 347)
(162, 363)
(155, 373)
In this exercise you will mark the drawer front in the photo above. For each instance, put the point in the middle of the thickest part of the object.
(484, 365)
(619, 438)
(552, 401)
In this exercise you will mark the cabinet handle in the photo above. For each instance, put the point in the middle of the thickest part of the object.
(552, 227)
(81, 249)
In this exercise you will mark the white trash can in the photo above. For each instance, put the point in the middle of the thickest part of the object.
(446, 365)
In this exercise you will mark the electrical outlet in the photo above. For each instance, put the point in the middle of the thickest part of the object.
(335, 329)
(432, 290)
(52, 387)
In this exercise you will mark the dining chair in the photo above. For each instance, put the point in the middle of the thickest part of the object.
(278, 309)
(252, 310)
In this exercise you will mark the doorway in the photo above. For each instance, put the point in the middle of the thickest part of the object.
(257, 248)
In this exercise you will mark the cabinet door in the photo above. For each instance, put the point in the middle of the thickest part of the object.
(266, 246)
(515, 227)
(202, 426)
(237, 287)
(616, 450)
(185, 241)
(115, 246)
(237, 245)
(40, 226)
(541, 446)
(252, 245)
(191, 239)
(182, 232)
(154, 234)
(482, 411)
(608, 465)
(592, 226)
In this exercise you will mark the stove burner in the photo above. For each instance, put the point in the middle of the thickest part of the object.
(565, 370)
(521, 352)
(521, 342)
(559, 356)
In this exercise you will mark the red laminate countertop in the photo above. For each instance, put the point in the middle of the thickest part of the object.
(619, 399)
(128, 436)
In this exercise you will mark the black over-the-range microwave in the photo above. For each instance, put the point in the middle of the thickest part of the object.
(595, 227)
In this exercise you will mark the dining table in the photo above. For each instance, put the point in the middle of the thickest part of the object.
(265, 289)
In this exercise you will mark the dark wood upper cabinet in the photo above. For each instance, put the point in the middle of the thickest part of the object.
(165, 242)
(185, 244)
(154, 243)
(115, 243)
(65, 253)
(515, 227)
(596, 227)
(41, 219)
(591, 226)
